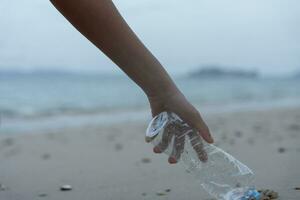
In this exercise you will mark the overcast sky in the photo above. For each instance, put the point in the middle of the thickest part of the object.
(183, 35)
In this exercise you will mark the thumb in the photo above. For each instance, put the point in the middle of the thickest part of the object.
(195, 120)
(204, 132)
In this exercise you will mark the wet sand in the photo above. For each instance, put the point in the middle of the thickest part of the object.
(115, 163)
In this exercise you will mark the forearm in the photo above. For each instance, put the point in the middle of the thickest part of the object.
(101, 23)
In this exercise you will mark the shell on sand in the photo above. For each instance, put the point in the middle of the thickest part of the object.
(66, 188)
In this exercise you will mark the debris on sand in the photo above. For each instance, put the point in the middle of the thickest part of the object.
(43, 195)
(161, 194)
(144, 194)
(2, 187)
(297, 188)
(46, 156)
(268, 194)
(294, 127)
(66, 188)
(118, 147)
(281, 150)
(8, 142)
(257, 127)
(146, 160)
(168, 190)
(238, 134)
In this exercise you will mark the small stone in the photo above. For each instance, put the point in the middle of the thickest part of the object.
(43, 195)
(297, 188)
(238, 134)
(46, 156)
(168, 190)
(8, 141)
(2, 187)
(118, 147)
(144, 194)
(160, 194)
(281, 150)
(238, 185)
(66, 188)
(294, 127)
(257, 127)
(146, 160)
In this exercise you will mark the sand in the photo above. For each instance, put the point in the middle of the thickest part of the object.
(115, 163)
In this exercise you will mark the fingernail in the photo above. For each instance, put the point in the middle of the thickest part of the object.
(156, 150)
(172, 160)
(211, 140)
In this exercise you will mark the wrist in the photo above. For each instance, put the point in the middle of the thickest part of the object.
(162, 91)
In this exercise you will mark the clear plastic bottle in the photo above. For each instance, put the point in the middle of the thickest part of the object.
(219, 173)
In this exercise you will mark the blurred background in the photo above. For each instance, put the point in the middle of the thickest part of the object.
(224, 55)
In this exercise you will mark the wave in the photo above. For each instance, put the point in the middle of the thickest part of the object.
(60, 111)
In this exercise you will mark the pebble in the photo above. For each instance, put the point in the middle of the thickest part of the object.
(281, 150)
(297, 188)
(146, 160)
(294, 127)
(2, 187)
(160, 194)
(118, 147)
(43, 195)
(268, 194)
(238, 134)
(46, 156)
(8, 141)
(66, 188)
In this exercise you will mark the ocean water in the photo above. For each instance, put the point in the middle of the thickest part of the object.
(35, 101)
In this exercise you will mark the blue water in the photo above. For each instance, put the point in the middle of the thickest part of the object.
(31, 100)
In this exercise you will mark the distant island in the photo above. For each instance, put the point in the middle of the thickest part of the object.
(218, 72)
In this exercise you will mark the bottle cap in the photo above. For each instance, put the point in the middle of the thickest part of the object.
(251, 194)
(156, 125)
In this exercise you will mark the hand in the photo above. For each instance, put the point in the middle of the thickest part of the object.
(177, 103)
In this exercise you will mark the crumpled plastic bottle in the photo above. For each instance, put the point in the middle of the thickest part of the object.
(219, 173)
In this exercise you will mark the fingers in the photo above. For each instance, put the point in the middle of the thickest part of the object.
(195, 120)
(197, 144)
(178, 147)
(165, 140)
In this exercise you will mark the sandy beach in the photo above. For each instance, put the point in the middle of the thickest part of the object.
(114, 162)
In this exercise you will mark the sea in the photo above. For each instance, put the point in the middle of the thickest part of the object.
(41, 102)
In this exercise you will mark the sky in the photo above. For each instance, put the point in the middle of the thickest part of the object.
(183, 35)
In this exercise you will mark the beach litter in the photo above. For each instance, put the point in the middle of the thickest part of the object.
(66, 188)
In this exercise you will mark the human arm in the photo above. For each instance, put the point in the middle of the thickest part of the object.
(101, 23)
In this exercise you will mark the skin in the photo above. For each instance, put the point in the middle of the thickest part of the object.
(180, 131)
(101, 23)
